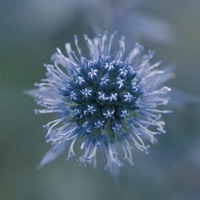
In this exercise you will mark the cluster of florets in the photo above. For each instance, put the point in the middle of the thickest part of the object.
(105, 93)
(104, 100)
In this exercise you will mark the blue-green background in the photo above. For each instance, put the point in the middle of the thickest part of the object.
(29, 33)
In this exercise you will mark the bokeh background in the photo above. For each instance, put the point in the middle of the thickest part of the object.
(29, 33)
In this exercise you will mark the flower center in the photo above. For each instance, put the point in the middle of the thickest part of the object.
(104, 94)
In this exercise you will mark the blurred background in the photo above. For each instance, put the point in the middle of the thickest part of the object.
(29, 33)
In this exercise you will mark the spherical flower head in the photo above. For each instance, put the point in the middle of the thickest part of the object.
(107, 101)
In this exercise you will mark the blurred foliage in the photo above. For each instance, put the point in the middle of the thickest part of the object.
(30, 32)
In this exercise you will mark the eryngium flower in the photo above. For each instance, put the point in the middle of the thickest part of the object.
(106, 101)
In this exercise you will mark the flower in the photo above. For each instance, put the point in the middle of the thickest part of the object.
(107, 101)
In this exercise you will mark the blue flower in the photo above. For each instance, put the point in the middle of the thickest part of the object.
(107, 102)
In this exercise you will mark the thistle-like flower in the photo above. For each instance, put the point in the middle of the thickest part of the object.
(106, 101)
